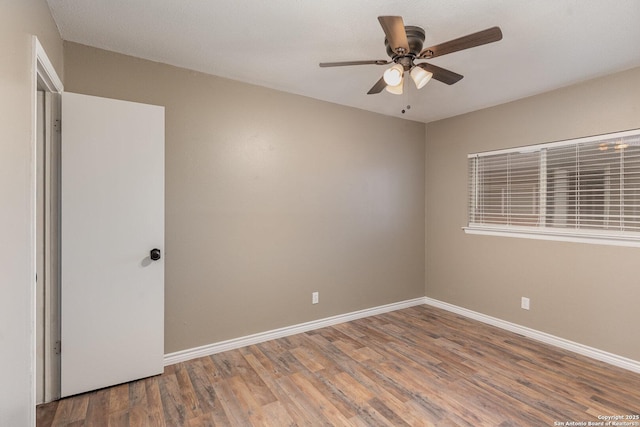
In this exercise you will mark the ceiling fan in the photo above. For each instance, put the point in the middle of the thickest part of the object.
(404, 47)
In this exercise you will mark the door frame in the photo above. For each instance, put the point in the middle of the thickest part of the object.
(46, 79)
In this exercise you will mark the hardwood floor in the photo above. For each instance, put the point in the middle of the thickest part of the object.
(419, 366)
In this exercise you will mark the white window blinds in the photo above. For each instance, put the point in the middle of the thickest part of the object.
(589, 185)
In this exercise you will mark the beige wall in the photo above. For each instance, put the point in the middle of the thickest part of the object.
(581, 292)
(270, 196)
(19, 20)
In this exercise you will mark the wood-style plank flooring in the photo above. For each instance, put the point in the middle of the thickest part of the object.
(419, 366)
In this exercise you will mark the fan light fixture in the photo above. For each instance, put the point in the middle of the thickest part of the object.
(404, 45)
(420, 76)
(393, 76)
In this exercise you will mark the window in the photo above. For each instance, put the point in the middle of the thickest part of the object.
(586, 189)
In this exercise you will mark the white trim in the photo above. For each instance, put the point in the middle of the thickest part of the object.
(575, 236)
(536, 147)
(44, 73)
(45, 69)
(235, 343)
(594, 353)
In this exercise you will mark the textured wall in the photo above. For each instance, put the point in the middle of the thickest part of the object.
(581, 292)
(19, 20)
(270, 196)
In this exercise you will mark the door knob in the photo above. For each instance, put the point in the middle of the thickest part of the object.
(154, 254)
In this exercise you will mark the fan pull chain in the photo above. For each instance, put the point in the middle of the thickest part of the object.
(406, 98)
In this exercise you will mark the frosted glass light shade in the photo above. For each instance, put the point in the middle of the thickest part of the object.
(397, 89)
(393, 76)
(420, 76)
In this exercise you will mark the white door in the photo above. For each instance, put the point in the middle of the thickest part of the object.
(112, 179)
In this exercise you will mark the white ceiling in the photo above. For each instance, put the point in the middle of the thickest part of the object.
(547, 44)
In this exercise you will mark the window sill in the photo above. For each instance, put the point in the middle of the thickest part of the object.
(575, 236)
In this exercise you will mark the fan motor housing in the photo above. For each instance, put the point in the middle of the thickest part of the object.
(415, 37)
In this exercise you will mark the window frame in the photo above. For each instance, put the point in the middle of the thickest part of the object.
(542, 230)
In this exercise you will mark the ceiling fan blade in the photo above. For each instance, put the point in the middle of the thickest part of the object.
(441, 74)
(378, 87)
(393, 27)
(342, 64)
(489, 35)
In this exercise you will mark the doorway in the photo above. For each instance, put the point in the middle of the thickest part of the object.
(46, 219)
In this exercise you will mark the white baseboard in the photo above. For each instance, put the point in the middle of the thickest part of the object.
(594, 353)
(232, 344)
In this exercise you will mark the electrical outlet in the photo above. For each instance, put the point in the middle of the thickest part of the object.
(524, 304)
(314, 297)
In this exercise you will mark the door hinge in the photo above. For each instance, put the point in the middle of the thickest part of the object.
(57, 347)
(57, 125)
